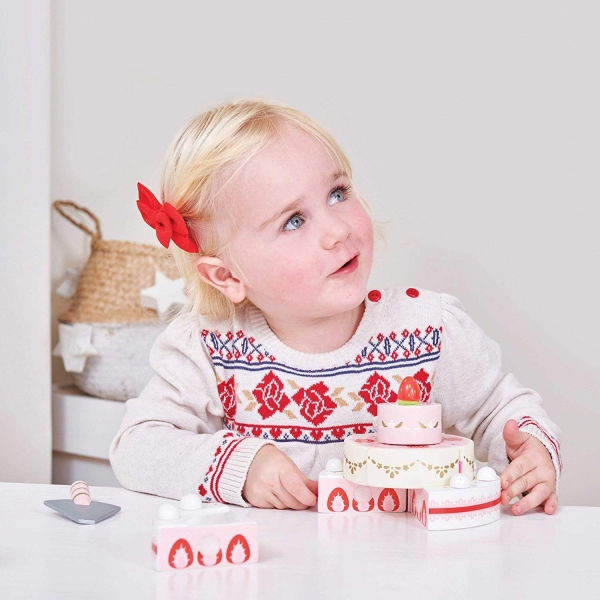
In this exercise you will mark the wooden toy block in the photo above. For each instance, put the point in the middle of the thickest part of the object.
(462, 504)
(196, 535)
(337, 494)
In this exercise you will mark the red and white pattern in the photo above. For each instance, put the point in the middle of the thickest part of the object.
(296, 433)
(455, 508)
(337, 494)
(529, 425)
(272, 396)
(209, 488)
(315, 403)
(193, 541)
(236, 346)
(377, 390)
(407, 344)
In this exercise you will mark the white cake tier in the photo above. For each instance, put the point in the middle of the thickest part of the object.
(408, 425)
(369, 462)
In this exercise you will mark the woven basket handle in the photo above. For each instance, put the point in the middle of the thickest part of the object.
(61, 208)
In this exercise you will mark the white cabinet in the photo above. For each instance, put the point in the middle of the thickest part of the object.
(83, 428)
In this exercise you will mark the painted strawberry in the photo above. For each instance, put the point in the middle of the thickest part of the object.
(181, 556)
(215, 559)
(388, 500)
(370, 506)
(238, 550)
(338, 500)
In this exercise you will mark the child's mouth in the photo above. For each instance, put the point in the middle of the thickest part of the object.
(348, 267)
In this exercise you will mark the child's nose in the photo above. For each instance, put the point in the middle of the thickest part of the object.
(335, 230)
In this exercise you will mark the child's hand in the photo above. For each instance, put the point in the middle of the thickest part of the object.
(274, 481)
(531, 470)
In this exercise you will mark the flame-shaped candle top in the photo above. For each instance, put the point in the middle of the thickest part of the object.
(410, 392)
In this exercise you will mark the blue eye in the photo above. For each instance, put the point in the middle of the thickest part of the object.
(294, 222)
(339, 194)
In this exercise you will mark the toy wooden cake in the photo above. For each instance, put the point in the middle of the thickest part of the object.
(410, 452)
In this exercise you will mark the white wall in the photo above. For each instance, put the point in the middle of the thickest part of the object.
(473, 128)
(25, 436)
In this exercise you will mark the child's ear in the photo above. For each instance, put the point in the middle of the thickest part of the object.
(215, 272)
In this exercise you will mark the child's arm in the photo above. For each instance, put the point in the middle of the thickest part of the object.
(479, 400)
(172, 439)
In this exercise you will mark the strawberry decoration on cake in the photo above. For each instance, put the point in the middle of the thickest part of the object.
(409, 393)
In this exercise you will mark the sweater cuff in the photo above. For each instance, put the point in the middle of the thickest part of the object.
(232, 473)
(528, 425)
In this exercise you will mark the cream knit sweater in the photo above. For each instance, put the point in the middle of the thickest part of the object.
(220, 393)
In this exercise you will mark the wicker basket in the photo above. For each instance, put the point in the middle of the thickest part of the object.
(108, 299)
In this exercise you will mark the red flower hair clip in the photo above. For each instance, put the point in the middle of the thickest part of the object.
(169, 224)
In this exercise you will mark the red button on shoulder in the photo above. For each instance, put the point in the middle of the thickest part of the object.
(412, 292)
(374, 295)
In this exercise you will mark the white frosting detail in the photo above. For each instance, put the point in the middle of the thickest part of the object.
(334, 465)
(486, 474)
(460, 481)
(167, 512)
(190, 502)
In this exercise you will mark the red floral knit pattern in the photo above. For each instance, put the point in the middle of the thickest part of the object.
(422, 377)
(226, 391)
(270, 395)
(377, 390)
(315, 403)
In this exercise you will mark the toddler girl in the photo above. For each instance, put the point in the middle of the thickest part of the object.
(282, 351)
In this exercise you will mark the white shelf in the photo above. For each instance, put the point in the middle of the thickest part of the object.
(83, 428)
(82, 424)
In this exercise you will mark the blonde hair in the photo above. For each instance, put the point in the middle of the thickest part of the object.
(214, 145)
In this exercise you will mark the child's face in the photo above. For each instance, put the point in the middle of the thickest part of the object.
(304, 242)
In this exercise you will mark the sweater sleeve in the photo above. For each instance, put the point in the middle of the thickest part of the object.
(478, 398)
(172, 439)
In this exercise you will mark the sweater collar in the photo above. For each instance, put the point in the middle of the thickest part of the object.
(320, 360)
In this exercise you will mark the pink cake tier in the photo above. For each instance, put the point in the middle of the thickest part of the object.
(409, 425)
(369, 462)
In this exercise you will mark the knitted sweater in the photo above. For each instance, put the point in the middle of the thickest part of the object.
(220, 393)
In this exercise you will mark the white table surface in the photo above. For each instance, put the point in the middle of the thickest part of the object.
(302, 555)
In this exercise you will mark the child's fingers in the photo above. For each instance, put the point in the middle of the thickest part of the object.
(538, 494)
(276, 502)
(288, 500)
(551, 504)
(525, 483)
(313, 486)
(261, 502)
(517, 468)
(293, 482)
